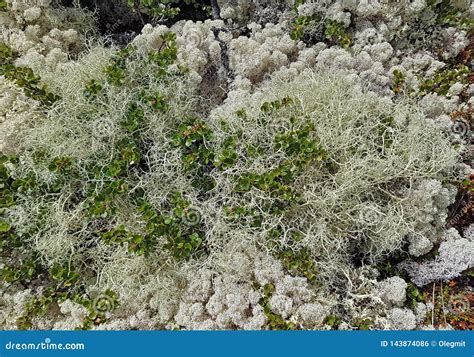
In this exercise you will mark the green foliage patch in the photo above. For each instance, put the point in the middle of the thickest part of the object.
(333, 31)
(449, 15)
(443, 79)
(65, 284)
(301, 147)
(274, 321)
(24, 78)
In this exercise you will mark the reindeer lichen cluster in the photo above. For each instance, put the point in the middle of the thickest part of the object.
(135, 194)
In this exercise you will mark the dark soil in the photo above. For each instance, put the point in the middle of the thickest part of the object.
(117, 20)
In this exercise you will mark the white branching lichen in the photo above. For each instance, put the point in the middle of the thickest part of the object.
(257, 170)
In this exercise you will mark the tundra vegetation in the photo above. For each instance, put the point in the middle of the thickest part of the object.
(224, 164)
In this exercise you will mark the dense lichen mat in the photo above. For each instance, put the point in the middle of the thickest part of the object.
(236, 164)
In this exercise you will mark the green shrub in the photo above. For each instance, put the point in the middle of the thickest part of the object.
(274, 321)
(449, 15)
(335, 32)
(331, 30)
(443, 79)
(24, 78)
